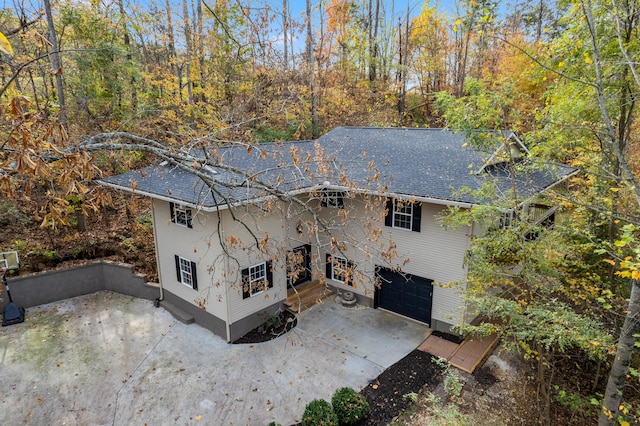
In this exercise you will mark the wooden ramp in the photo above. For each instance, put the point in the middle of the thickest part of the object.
(306, 295)
(472, 351)
(466, 356)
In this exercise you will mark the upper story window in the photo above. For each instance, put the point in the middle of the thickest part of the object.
(181, 215)
(256, 279)
(403, 214)
(334, 199)
(186, 272)
(507, 219)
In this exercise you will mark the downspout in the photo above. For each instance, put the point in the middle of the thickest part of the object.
(156, 303)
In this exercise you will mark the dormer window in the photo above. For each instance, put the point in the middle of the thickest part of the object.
(181, 215)
(333, 199)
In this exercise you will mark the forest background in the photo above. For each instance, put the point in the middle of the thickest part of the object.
(93, 88)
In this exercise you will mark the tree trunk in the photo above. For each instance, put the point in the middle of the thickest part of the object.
(55, 63)
(199, 51)
(312, 78)
(187, 38)
(622, 360)
(285, 29)
(172, 50)
(404, 64)
(129, 56)
(373, 44)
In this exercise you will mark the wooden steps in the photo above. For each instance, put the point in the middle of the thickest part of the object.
(306, 295)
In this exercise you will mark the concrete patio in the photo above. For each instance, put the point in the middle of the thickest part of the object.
(109, 359)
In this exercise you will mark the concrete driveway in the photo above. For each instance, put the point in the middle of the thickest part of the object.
(108, 359)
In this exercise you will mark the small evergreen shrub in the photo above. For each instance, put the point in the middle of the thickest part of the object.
(349, 406)
(274, 424)
(319, 413)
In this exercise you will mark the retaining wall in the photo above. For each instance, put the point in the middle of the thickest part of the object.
(46, 287)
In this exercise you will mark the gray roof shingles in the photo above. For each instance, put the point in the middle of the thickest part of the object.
(426, 163)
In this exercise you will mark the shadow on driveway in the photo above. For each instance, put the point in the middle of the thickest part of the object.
(109, 359)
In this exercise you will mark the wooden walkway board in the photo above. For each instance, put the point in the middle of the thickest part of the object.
(306, 295)
(465, 356)
(472, 351)
(438, 346)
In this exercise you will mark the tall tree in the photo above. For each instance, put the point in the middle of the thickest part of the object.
(285, 33)
(312, 77)
(56, 64)
(189, 50)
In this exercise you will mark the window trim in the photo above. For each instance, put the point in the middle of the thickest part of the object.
(247, 281)
(332, 199)
(179, 210)
(415, 217)
(401, 218)
(348, 266)
(181, 273)
(508, 219)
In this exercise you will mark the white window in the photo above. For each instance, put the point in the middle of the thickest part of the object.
(334, 199)
(256, 279)
(339, 269)
(186, 272)
(402, 215)
(507, 220)
(180, 215)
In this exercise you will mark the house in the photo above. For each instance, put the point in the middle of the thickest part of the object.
(236, 226)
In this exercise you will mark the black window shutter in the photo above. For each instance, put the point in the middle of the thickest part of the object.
(246, 291)
(172, 210)
(307, 256)
(269, 274)
(388, 219)
(417, 217)
(329, 268)
(194, 275)
(178, 272)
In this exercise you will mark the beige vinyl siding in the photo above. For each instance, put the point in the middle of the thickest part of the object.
(436, 254)
(433, 253)
(359, 249)
(198, 244)
(246, 253)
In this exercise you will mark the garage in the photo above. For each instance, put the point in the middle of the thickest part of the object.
(404, 294)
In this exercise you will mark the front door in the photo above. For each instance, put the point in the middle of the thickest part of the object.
(299, 265)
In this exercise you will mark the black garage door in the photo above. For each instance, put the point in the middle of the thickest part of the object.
(405, 294)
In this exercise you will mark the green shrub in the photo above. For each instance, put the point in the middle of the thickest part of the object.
(10, 214)
(349, 406)
(319, 413)
(274, 424)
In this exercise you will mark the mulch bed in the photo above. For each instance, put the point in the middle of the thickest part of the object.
(286, 321)
(386, 393)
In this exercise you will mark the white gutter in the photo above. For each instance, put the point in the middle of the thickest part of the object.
(439, 201)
